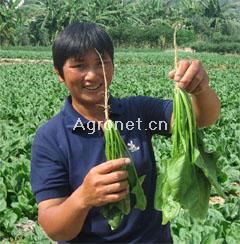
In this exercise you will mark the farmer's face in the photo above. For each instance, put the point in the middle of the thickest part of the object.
(84, 77)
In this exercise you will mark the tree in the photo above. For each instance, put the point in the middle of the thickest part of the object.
(10, 17)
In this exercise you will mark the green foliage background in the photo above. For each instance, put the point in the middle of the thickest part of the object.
(141, 23)
(31, 94)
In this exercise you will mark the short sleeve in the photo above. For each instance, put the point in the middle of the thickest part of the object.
(157, 115)
(49, 177)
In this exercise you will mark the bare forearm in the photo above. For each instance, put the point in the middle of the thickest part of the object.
(206, 106)
(63, 218)
(64, 221)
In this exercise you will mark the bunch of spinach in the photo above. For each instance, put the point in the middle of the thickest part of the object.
(185, 181)
(115, 148)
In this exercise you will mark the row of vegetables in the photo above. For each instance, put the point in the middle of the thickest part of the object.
(31, 94)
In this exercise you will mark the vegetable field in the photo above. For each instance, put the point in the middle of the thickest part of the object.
(30, 94)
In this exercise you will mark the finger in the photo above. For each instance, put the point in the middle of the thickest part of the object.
(183, 65)
(171, 74)
(116, 176)
(190, 73)
(117, 196)
(191, 86)
(202, 86)
(112, 165)
(117, 187)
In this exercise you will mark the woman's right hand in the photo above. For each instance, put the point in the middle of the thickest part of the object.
(63, 218)
(105, 183)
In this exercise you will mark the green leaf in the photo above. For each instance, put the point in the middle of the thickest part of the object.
(3, 190)
(9, 219)
(170, 209)
(207, 163)
(3, 205)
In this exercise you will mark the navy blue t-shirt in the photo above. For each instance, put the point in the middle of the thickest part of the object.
(68, 146)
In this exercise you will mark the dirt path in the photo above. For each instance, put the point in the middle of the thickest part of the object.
(4, 61)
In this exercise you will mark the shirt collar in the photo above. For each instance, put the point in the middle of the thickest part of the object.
(72, 116)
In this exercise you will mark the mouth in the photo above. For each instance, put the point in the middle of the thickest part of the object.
(93, 88)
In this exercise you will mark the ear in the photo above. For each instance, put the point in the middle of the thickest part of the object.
(61, 79)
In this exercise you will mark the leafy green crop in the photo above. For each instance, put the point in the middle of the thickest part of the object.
(186, 178)
(31, 94)
(17, 204)
(116, 148)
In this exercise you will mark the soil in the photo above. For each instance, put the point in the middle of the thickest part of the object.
(4, 61)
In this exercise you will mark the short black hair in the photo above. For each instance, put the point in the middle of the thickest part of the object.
(76, 39)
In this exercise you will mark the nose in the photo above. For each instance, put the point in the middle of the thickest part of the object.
(91, 74)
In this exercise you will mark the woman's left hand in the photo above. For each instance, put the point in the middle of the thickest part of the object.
(190, 76)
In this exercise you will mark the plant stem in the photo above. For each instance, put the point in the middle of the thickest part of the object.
(106, 87)
(175, 46)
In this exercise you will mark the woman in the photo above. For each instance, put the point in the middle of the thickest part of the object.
(70, 176)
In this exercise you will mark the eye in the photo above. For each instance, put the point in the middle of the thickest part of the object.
(79, 66)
